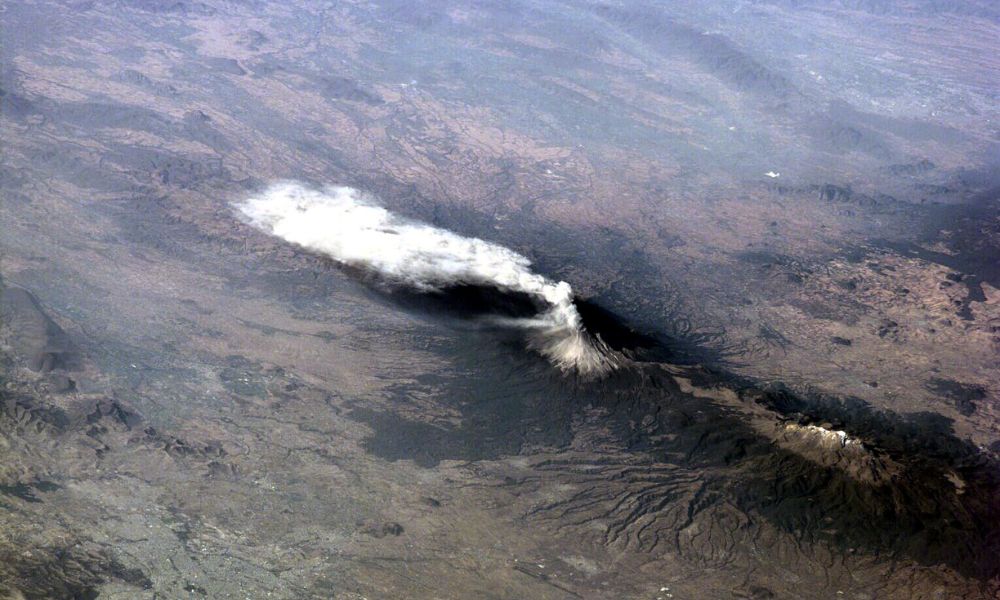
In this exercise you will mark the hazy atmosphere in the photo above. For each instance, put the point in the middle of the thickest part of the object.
(499, 299)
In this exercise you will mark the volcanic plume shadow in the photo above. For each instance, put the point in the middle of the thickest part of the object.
(621, 336)
(481, 302)
(467, 301)
(672, 459)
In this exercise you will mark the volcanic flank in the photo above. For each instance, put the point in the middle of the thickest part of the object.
(348, 226)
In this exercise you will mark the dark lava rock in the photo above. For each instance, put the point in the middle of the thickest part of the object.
(888, 328)
(909, 169)
(963, 395)
(380, 530)
(342, 88)
(834, 193)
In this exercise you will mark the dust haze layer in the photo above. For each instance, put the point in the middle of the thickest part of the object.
(347, 225)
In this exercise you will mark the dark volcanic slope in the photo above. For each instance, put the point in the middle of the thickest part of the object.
(786, 213)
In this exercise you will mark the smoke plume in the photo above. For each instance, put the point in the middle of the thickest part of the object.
(348, 226)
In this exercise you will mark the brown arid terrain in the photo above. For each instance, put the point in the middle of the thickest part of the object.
(783, 217)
